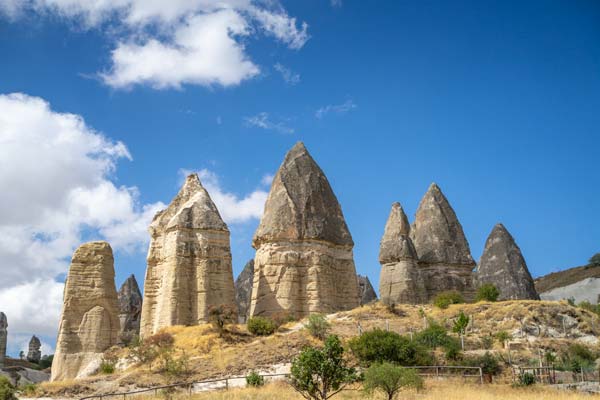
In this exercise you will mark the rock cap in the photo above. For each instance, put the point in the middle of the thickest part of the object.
(396, 244)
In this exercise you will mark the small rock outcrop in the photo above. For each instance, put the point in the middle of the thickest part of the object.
(189, 262)
(304, 262)
(3, 337)
(502, 264)
(445, 260)
(130, 310)
(34, 354)
(89, 322)
(243, 290)
(400, 280)
(365, 289)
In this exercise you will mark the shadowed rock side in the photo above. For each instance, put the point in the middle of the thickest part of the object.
(3, 337)
(130, 310)
(34, 354)
(400, 280)
(304, 262)
(503, 265)
(189, 262)
(445, 260)
(243, 290)
(365, 289)
(89, 323)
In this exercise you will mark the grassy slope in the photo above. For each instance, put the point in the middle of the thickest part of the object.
(566, 277)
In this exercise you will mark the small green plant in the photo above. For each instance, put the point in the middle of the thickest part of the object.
(487, 342)
(445, 299)
(452, 349)
(526, 379)
(502, 337)
(107, 368)
(390, 379)
(487, 292)
(578, 357)
(7, 390)
(109, 361)
(254, 379)
(595, 260)
(261, 326)
(318, 326)
(460, 323)
(434, 336)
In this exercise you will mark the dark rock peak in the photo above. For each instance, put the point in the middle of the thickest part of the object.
(366, 291)
(396, 244)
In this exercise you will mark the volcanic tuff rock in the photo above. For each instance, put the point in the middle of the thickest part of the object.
(400, 280)
(3, 337)
(365, 289)
(189, 262)
(503, 265)
(130, 309)
(34, 354)
(445, 260)
(89, 323)
(243, 290)
(304, 262)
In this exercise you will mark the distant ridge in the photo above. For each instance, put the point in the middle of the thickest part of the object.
(567, 277)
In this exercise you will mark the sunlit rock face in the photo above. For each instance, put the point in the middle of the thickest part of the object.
(304, 262)
(189, 262)
(445, 261)
(400, 280)
(502, 264)
(89, 323)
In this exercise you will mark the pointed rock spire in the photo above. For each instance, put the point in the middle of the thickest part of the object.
(301, 204)
(130, 310)
(396, 244)
(502, 264)
(34, 354)
(243, 290)
(3, 337)
(366, 291)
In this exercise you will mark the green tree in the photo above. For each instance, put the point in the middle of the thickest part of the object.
(255, 379)
(595, 260)
(378, 346)
(390, 379)
(460, 326)
(321, 373)
(487, 292)
(318, 326)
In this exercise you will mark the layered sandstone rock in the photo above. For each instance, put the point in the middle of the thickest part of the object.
(365, 290)
(189, 262)
(445, 261)
(130, 310)
(502, 264)
(3, 337)
(34, 353)
(243, 290)
(89, 323)
(400, 280)
(304, 262)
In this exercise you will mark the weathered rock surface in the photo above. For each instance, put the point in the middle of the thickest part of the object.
(130, 310)
(243, 290)
(445, 260)
(502, 264)
(89, 323)
(189, 262)
(400, 280)
(304, 262)
(581, 283)
(3, 337)
(365, 289)
(34, 354)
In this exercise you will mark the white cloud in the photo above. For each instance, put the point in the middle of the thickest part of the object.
(167, 44)
(263, 121)
(335, 108)
(267, 179)
(289, 76)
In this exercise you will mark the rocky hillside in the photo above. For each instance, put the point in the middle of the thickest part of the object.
(581, 283)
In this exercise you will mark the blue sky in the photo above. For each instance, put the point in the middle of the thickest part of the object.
(496, 101)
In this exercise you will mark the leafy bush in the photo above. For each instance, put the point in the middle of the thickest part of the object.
(379, 346)
(578, 357)
(7, 390)
(261, 326)
(444, 299)
(109, 361)
(221, 315)
(321, 373)
(488, 363)
(107, 368)
(29, 390)
(254, 379)
(526, 379)
(452, 349)
(487, 292)
(175, 366)
(586, 305)
(595, 259)
(390, 379)
(460, 324)
(145, 351)
(318, 326)
(434, 336)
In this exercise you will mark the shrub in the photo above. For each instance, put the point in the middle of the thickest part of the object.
(46, 361)
(595, 259)
(7, 390)
(109, 361)
(502, 337)
(577, 358)
(390, 379)
(107, 368)
(586, 305)
(221, 315)
(318, 326)
(433, 336)
(145, 351)
(175, 366)
(261, 326)
(526, 379)
(29, 389)
(487, 292)
(321, 373)
(452, 349)
(283, 317)
(460, 324)
(487, 342)
(488, 363)
(444, 299)
(379, 346)
(254, 379)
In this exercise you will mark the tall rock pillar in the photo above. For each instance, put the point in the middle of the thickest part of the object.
(34, 353)
(130, 310)
(3, 337)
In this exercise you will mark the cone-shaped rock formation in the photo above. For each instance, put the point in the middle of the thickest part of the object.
(189, 262)
(400, 280)
(304, 262)
(365, 289)
(243, 290)
(503, 265)
(34, 354)
(130, 310)
(445, 260)
(89, 323)
(3, 337)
